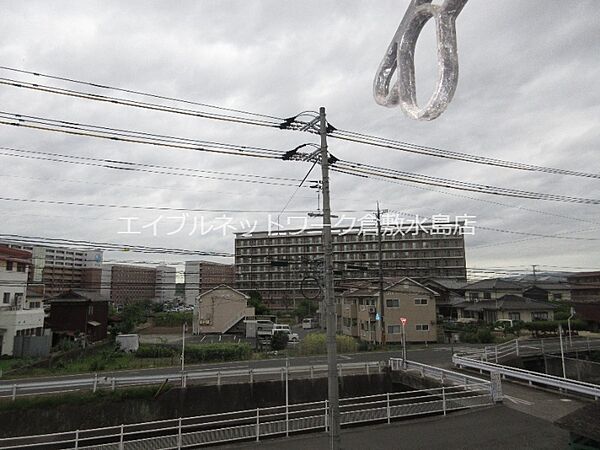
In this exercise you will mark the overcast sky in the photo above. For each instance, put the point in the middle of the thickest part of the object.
(528, 92)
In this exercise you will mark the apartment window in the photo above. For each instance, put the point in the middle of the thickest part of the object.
(422, 327)
(9, 265)
(487, 295)
(394, 329)
(20, 267)
(557, 296)
(421, 301)
(514, 316)
(392, 303)
(539, 315)
(474, 295)
(6, 298)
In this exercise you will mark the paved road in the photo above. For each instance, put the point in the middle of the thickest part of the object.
(497, 427)
(538, 403)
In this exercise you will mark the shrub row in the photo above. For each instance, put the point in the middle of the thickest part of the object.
(196, 353)
(315, 344)
(172, 319)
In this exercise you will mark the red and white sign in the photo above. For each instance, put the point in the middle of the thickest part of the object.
(403, 320)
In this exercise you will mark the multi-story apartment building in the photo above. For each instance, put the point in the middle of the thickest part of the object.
(359, 312)
(123, 284)
(60, 269)
(17, 316)
(585, 287)
(280, 264)
(202, 276)
(166, 277)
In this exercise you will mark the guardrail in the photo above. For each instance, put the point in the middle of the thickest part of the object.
(530, 377)
(531, 347)
(255, 424)
(436, 373)
(95, 382)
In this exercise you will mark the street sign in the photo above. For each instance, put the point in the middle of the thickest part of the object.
(403, 320)
(377, 317)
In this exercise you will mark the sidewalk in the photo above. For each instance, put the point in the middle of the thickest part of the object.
(497, 427)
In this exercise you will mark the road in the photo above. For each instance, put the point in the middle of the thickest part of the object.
(542, 404)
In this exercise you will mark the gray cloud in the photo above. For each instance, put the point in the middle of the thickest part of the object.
(527, 92)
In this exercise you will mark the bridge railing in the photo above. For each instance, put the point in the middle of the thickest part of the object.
(13, 389)
(259, 423)
(530, 347)
(532, 378)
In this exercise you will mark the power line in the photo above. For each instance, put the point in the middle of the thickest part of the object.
(151, 208)
(90, 245)
(131, 136)
(146, 168)
(254, 119)
(274, 121)
(369, 171)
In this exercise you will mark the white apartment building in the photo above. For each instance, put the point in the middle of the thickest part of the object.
(166, 277)
(16, 316)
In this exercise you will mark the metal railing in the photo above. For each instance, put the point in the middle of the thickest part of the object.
(532, 378)
(259, 423)
(94, 382)
(531, 347)
(489, 359)
(436, 373)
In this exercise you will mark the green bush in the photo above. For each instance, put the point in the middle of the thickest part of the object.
(217, 352)
(480, 336)
(156, 351)
(551, 326)
(172, 319)
(279, 341)
(315, 344)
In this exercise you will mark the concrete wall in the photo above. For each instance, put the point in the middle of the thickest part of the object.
(17, 320)
(195, 400)
(32, 346)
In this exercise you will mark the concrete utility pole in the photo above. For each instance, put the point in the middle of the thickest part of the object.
(534, 274)
(381, 302)
(333, 387)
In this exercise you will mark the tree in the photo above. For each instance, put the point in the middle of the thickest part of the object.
(260, 309)
(279, 341)
(304, 309)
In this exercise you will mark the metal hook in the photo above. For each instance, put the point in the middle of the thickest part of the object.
(400, 56)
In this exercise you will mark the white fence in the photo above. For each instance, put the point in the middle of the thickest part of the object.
(255, 424)
(531, 347)
(488, 358)
(95, 382)
(564, 384)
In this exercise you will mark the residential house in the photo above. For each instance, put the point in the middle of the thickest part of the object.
(18, 318)
(405, 298)
(492, 289)
(513, 307)
(220, 309)
(79, 313)
(451, 292)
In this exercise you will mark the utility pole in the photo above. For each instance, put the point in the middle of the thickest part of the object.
(183, 346)
(534, 276)
(381, 302)
(333, 387)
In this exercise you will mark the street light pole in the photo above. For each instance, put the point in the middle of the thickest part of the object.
(333, 387)
(562, 352)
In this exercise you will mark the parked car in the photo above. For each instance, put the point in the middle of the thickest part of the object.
(284, 328)
(309, 323)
